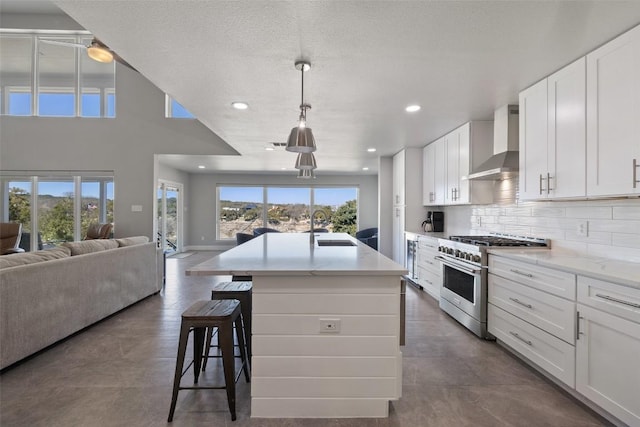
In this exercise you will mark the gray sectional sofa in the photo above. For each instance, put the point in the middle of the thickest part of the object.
(46, 296)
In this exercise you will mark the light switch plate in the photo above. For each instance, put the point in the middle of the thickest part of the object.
(136, 208)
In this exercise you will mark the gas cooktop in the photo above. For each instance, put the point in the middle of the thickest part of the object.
(499, 240)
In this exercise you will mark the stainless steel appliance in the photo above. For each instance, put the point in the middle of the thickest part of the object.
(464, 275)
(411, 260)
(434, 222)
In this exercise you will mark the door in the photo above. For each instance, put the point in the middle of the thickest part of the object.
(452, 147)
(607, 371)
(613, 117)
(169, 217)
(533, 141)
(566, 152)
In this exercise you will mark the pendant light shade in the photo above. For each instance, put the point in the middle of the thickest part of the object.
(306, 174)
(306, 161)
(301, 140)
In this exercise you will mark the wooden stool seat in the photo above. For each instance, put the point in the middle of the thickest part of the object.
(203, 315)
(235, 290)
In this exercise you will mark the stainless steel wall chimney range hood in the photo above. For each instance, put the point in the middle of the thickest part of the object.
(505, 160)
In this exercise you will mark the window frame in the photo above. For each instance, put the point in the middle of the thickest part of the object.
(265, 205)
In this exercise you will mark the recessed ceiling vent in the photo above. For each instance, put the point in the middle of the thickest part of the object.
(279, 144)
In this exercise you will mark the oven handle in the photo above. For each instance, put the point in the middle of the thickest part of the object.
(458, 266)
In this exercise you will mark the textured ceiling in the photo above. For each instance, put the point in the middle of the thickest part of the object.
(458, 59)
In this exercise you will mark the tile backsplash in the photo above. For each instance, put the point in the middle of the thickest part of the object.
(612, 227)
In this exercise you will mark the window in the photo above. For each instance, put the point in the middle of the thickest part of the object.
(286, 209)
(62, 82)
(59, 208)
(174, 110)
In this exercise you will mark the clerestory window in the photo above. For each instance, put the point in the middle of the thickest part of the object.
(51, 75)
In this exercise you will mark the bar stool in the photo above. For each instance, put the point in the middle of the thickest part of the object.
(241, 291)
(197, 318)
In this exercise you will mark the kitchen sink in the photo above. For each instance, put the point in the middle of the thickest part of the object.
(336, 243)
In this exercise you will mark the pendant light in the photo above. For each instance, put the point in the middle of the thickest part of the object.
(306, 174)
(301, 138)
(306, 161)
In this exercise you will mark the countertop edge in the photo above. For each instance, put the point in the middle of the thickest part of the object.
(532, 256)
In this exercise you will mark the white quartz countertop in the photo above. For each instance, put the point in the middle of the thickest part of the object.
(607, 269)
(291, 254)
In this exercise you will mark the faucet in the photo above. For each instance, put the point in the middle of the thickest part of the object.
(311, 232)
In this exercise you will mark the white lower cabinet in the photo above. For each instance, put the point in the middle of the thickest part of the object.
(545, 350)
(428, 268)
(608, 347)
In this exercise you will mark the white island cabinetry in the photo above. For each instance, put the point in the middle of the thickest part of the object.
(326, 325)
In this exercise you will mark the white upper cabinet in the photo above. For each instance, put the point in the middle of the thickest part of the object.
(433, 169)
(613, 117)
(448, 161)
(552, 136)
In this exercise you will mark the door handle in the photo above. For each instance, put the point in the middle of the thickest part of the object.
(549, 183)
(635, 172)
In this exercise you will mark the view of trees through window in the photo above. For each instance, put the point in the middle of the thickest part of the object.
(55, 207)
(286, 209)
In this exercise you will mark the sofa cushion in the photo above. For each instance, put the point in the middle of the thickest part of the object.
(130, 241)
(89, 246)
(33, 257)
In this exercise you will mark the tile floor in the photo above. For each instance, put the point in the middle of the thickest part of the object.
(119, 372)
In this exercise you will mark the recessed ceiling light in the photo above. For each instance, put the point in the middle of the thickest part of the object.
(240, 105)
(200, 166)
(365, 169)
(412, 108)
(371, 150)
(269, 148)
(284, 169)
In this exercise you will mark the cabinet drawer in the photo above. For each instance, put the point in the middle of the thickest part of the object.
(550, 313)
(549, 280)
(428, 243)
(428, 262)
(546, 351)
(610, 297)
(430, 282)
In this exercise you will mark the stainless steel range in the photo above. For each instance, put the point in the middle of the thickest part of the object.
(464, 275)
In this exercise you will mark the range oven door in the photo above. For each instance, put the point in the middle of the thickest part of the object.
(463, 287)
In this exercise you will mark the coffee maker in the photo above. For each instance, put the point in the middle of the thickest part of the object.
(434, 222)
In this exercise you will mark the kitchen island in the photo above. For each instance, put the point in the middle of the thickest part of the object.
(326, 324)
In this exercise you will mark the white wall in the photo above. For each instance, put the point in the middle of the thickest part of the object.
(125, 144)
(385, 206)
(613, 225)
(202, 212)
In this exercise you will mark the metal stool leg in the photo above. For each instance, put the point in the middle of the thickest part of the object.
(207, 347)
(198, 344)
(243, 353)
(182, 349)
(225, 338)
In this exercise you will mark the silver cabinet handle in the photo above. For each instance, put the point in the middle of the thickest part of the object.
(428, 281)
(635, 172)
(517, 301)
(515, 334)
(621, 301)
(397, 199)
(540, 184)
(521, 273)
(578, 333)
(549, 183)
